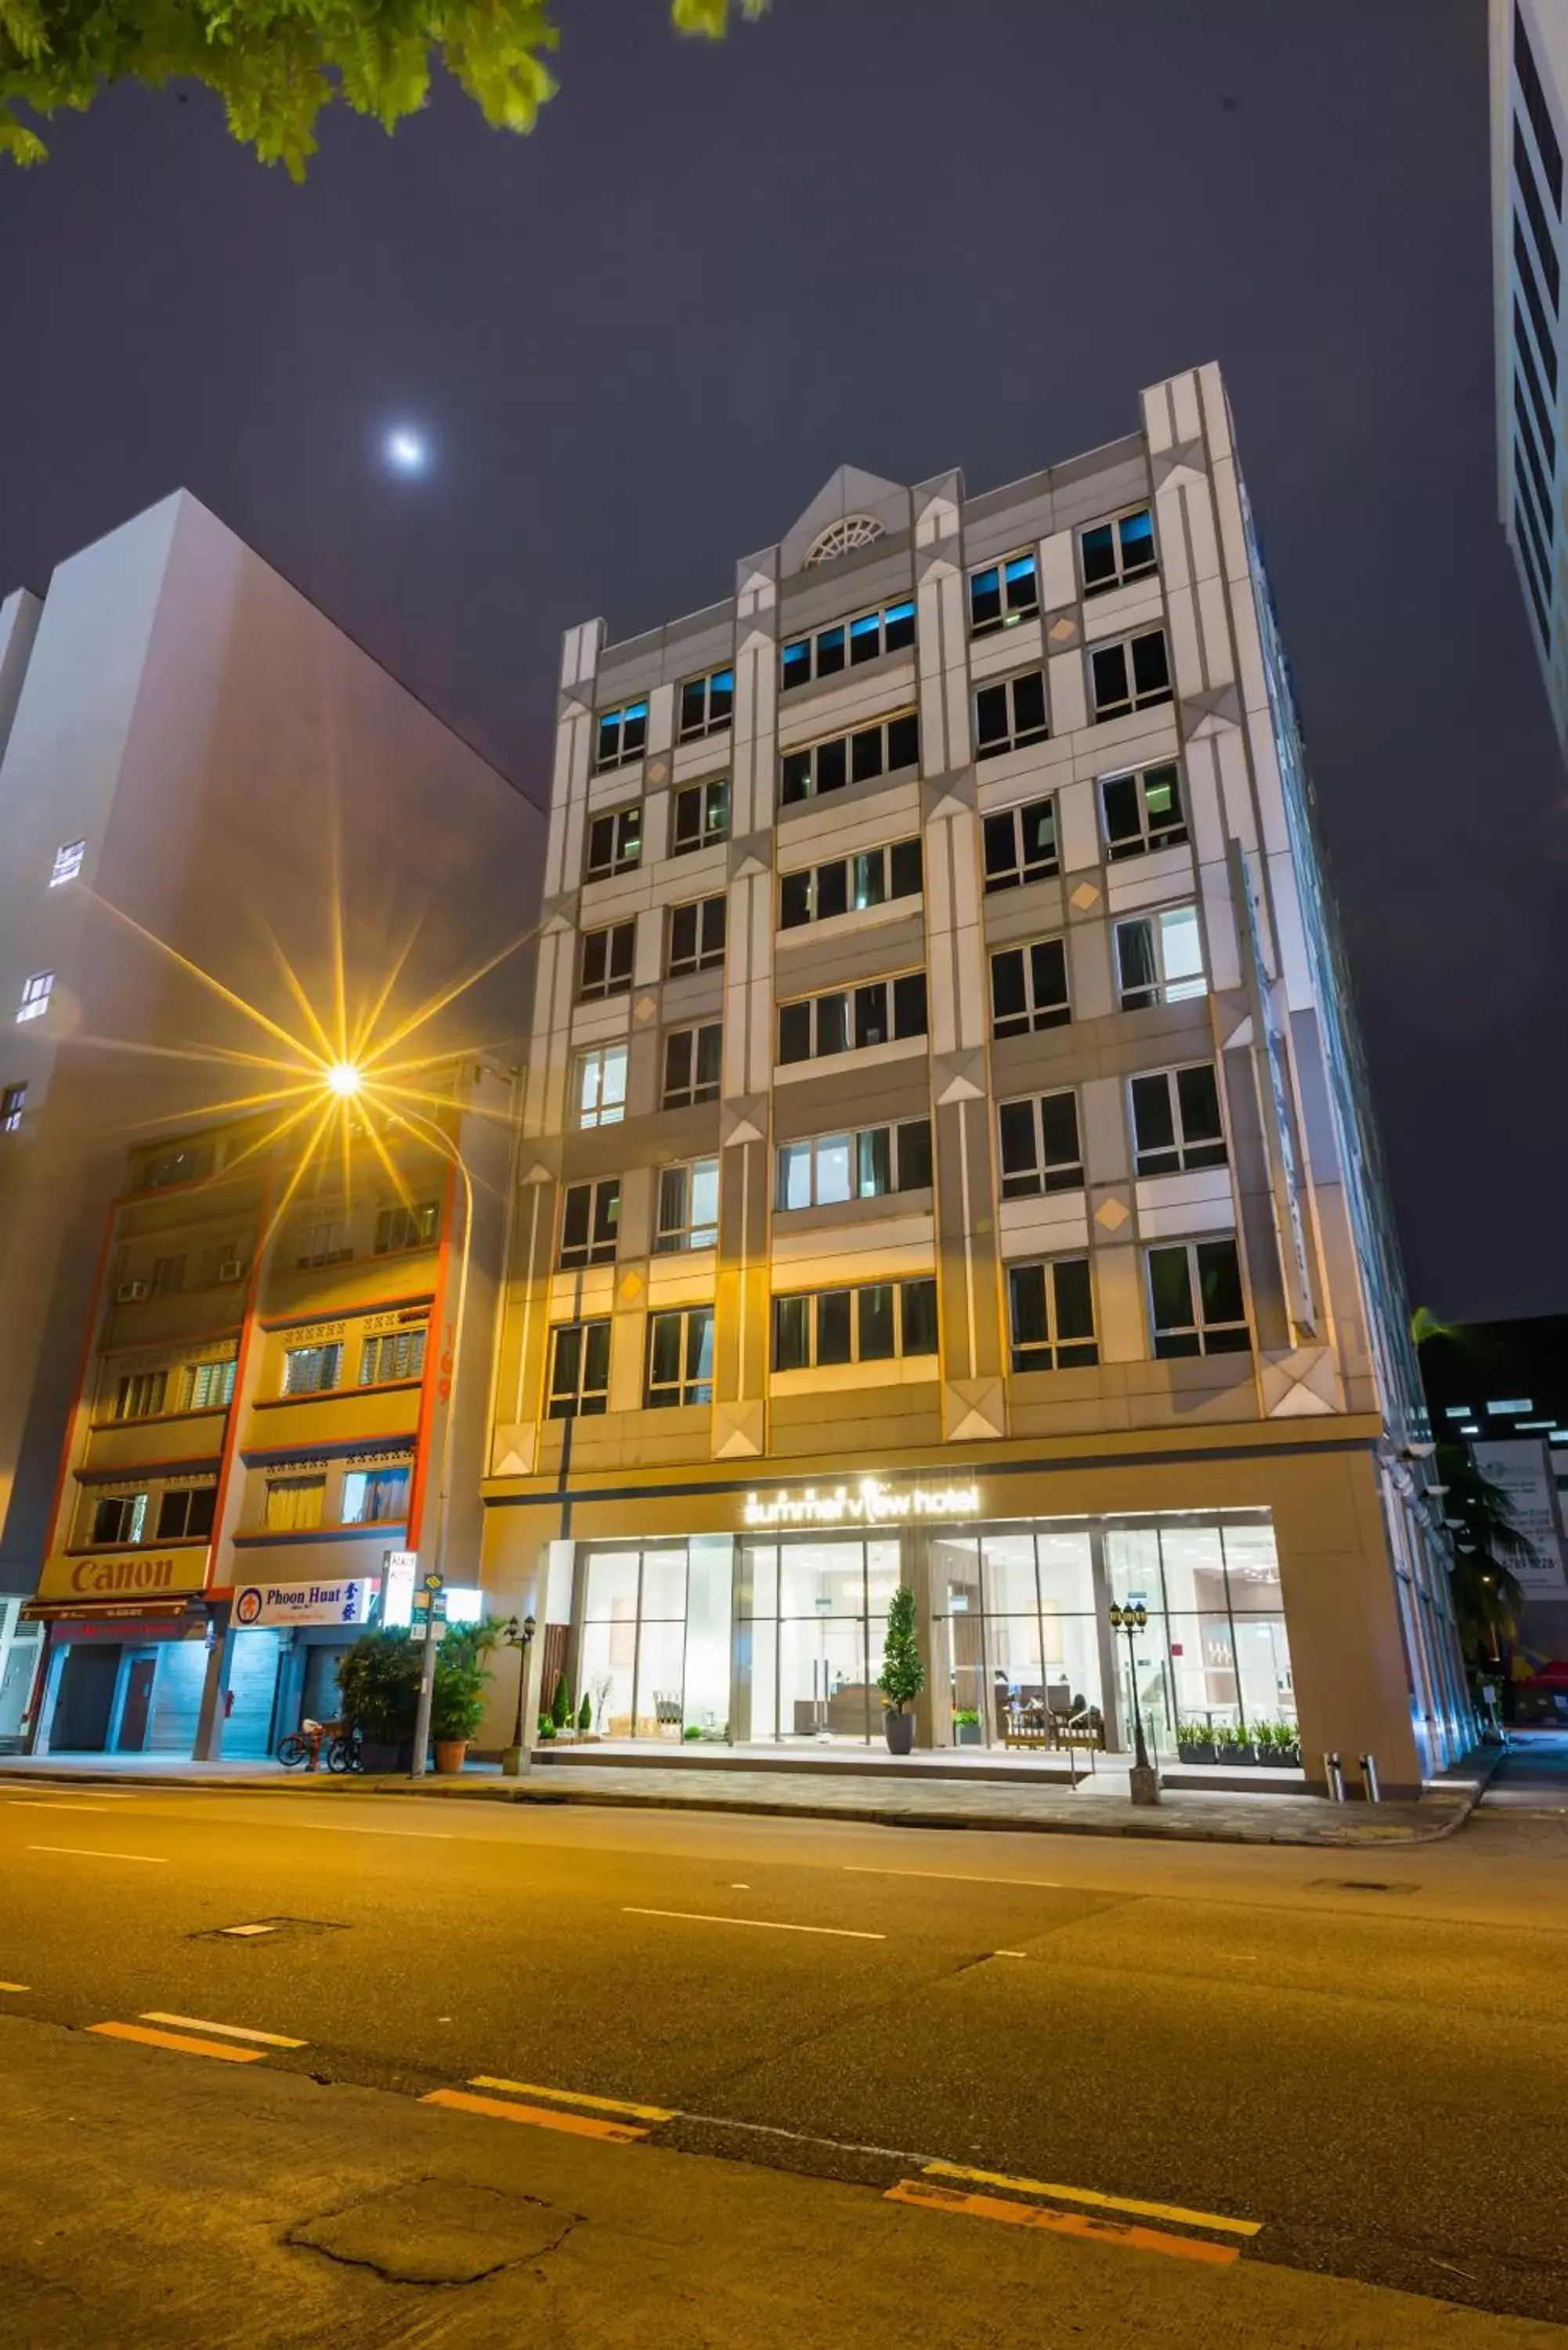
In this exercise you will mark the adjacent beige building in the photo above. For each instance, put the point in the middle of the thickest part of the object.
(946, 1157)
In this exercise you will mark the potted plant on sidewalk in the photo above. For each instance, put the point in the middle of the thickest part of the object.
(457, 1695)
(1194, 1742)
(379, 1688)
(903, 1675)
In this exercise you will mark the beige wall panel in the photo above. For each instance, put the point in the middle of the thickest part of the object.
(806, 964)
(1089, 970)
(1158, 878)
(1066, 692)
(1119, 1312)
(842, 1100)
(813, 713)
(1122, 610)
(1035, 911)
(1103, 1125)
(1056, 1225)
(1008, 649)
(857, 816)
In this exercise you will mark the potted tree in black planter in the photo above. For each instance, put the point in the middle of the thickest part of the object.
(378, 1684)
(903, 1676)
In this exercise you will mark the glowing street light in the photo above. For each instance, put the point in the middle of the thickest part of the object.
(344, 1078)
(405, 450)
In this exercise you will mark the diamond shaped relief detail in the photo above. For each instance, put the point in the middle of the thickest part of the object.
(644, 1008)
(629, 1287)
(1084, 896)
(1062, 632)
(1111, 1215)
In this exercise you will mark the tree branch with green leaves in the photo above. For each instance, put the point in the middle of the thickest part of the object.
(277, 63)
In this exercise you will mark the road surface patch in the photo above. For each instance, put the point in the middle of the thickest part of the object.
(1176, 2213)
(514, 2109)
(224, 2031)
(182, 2043)
(765, 1925)
(925, 2196)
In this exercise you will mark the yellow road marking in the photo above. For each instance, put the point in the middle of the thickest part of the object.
(6, 1986)
(574, 2097)
(1172, 2211)
(84, 1851)
(225, 2031)
(180, 2041)
(767, 1925)
(49, 1804)
(501, 2109)
(1061, 2223)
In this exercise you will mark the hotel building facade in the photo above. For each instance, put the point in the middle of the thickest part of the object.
(945, 1158)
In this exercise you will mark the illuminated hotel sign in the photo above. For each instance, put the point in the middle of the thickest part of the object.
(867, 1503)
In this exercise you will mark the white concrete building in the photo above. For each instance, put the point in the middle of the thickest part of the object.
(199, 773)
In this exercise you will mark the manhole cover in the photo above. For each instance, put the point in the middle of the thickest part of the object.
(1357, 1884)
(437, 2231)
(264, 1929)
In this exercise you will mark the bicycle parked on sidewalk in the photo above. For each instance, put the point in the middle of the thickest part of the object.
(336, 1742)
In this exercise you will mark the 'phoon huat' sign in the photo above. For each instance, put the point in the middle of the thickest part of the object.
(126, 1575)
(867, 1503)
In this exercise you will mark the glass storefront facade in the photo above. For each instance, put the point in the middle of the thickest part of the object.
(778, 1640)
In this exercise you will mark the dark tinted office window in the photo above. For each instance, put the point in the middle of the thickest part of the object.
(791, 1334)
(904, 861)
(919, 1313)
(795, 1032)
(877, 1342)
(903, 740)
(915, 1155)
(909, 1004)
(833, 1326)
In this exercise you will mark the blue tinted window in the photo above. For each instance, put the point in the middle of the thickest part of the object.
(798, 662)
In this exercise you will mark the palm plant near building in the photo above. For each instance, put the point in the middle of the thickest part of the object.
(1488, 1547)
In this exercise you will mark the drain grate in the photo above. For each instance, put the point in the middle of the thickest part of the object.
(1357, 1884)
(257, 1929)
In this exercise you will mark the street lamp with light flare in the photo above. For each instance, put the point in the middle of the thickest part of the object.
(344, 1078)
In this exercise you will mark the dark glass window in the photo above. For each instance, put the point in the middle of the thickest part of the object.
(833, 1326)
(1114, 552)
(590, 1219)
(915, 1155)
(697, 936)
(1143, 811)
(607, 961)
(702, 814)
(920, 1317)
(621, 735)
(1020, 844)
(791, 1334)
(1029, 988)
(1535, 211)
(706, 704)
(1132, 675)
(694, 1062)
(877, 1340)
(1039, 1146)
(1002, 593)
(579, 1370)
(615, 842)
(1052, 1312)
(1196, 1299)
(1010, 714)
(1538, 109)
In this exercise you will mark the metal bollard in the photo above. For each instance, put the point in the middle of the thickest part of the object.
(1333, 1773)
(1369, 1778)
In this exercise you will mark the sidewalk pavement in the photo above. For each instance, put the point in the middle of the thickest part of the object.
(1097, 1807)
(163, 2202)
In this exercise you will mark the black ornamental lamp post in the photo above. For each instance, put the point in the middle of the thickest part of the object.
(1132, 1621)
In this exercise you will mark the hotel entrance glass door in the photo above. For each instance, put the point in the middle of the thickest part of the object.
(818, 1609)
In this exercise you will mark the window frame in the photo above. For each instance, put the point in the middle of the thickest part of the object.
(36, 990)
(1044, 1177)
(813, 1300)
(13, 1102)
(580, 1400)
(1036, 1016)
(886, 852)
(193, 1382)
(1019, 734)
(809, 778)
(1147, 838)
(329, 1352)
(597, 1058)
(68, 860)
(374, 1346)
(185, 1530)
(854, 1141)
(1052, 1352)
(623, 715)
(1120, 575)
(618, 966)
(1202, 1333)
(621, 859)
(1189, 1156)
(1009, 614)
(294, 1482)
(707, 682)
(396, 1472)
(688, 1231)
(692, 1385)
(595, 1248)
(853, 995)
(1186, 989)
(704, 954)
(1135, 698)
(131, 1387)
(689, 1095)
(1023, 869)
(902, 609)
(137, 1504)
(422, 1221)
(706, 834)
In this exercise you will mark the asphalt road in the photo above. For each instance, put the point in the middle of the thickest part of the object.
(1364, 2055)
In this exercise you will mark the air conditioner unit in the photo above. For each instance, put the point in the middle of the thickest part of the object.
(129, 1291)
(232, 1269)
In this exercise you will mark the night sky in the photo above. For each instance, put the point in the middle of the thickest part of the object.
(912, 237)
